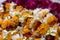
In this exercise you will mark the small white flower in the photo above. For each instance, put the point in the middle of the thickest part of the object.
(5, 32)
(15, 37)
(11, 6)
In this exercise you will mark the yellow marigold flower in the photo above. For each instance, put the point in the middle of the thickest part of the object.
(4, 24)
(42, 29)
(16, 19)
(7, 6)
(10, 22)
(25, 30)
(9, 36)
(19, 8)
(52, 20)
(5, 15)
(28, 20)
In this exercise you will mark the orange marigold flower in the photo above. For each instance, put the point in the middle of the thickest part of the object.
(52, 20)
(25, 30)
(42, 29)
(19, 8)
(7, 6)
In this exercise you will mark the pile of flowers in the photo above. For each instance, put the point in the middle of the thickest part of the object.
(19, 23)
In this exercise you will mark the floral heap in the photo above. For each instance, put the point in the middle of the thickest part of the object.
(30, 20)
